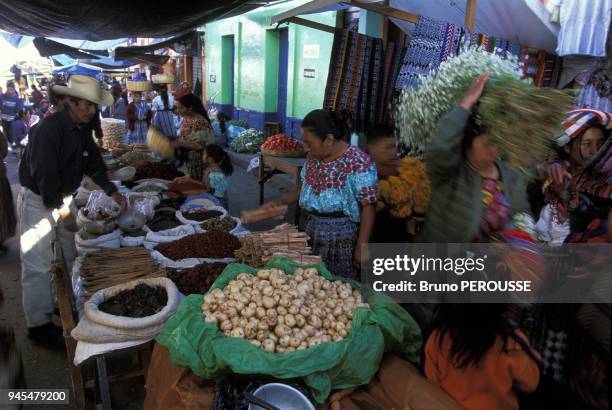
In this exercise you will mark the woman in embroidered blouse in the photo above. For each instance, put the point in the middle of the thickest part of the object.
(139, 117)
(338, 187)
(195, 133)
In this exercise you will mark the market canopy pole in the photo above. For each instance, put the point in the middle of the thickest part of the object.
(470, 14)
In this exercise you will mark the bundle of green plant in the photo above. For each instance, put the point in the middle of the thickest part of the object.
(521, 119)
(419, 109)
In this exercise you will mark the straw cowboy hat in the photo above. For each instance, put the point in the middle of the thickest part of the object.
(86, 88)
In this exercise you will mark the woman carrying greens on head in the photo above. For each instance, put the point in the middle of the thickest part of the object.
(338, 187)
(474, 194)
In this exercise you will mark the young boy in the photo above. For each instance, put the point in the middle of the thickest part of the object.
(382, 147)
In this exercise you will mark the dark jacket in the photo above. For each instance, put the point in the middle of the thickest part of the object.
(455, 211)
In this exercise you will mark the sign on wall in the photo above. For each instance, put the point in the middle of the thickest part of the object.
(213, 78)
(311, 51)
(309, 73)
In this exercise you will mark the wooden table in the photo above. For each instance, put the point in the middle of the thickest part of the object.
(270, 166)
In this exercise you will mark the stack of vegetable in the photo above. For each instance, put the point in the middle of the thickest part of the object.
(283, 146)
(284, 240)
(283, 313)
(248, 141)
(239, 123)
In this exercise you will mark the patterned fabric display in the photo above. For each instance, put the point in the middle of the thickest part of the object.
(432, 42)
(358, 80)
(342, 185)
(495, 214)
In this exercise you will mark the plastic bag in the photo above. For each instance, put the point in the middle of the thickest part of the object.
(169, 235)
(329, 366)
(101, 206)
(233, 131)
(108, 241)
(146, 207)
(130, 241)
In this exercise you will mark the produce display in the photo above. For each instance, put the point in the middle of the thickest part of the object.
(113, 131)
(283, 240)
(248, 141)
(208, 245)
(141, 301)
(132, 157)
(109, 267)
(224, 224)
(282, 313)
(202, 214)
(187, 186)
(158, 170)
(163, 220)
(239, 123)
(197, 279)
(282, 145)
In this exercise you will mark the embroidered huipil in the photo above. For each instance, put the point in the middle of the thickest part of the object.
(343, 185)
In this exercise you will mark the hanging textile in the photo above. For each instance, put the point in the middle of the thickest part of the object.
(359, 78)
(432, 42)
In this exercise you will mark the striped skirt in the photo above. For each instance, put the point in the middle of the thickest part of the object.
(333, 239)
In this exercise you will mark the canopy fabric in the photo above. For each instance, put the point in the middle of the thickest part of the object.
(521, 21)
(183, 43)
(104, 63)
(48, 48)
(78, 68)
(96, 20)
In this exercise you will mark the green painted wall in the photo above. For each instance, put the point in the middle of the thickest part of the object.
(256, 46)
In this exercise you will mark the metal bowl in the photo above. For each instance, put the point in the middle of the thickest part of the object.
(131, 221)
(124, 174)
(281, 396)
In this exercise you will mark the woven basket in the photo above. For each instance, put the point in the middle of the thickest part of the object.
(163, 79)
(159, 143)
(139, 86)
(284, 154)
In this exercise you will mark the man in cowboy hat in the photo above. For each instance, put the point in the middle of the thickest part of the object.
(60, 152)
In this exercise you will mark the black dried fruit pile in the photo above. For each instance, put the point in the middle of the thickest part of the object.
(175, 203)
(163, 220)
(143, 300)
(224, 224)
(158, 170)
(209, 245)
(197, 279)
(202, 216)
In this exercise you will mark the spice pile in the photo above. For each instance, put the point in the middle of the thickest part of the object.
(143, 300)
(197, 279)
(109, 267)
(282, 313)
(284, 240)
(208, 245)
(282, 144)
(130, 158)
(158, 170)
(224, 224)
(187, 186)
(202, 215)
(174, 203)
(163, 220)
